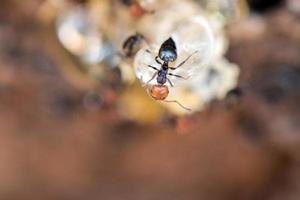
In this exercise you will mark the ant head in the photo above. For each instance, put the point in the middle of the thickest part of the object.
(167, 51)
(168, 55)
(159, 92)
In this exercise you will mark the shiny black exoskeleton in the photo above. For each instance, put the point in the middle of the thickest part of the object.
(168, 51)
(132, 44)
(162, 74)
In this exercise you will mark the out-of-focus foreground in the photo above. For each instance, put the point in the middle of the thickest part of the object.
(58, 141)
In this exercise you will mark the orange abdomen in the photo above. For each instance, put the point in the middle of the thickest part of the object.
(159, 92)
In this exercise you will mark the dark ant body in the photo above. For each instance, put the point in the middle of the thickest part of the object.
(132, 44)
(167, 53)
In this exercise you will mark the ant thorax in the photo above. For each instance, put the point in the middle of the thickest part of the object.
(162, 75)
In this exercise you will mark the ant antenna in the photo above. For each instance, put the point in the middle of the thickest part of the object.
(182, 106)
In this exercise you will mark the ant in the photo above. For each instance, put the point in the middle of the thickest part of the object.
(132, 44)
(167, 53)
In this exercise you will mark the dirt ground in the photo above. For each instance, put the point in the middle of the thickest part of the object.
(53, 147)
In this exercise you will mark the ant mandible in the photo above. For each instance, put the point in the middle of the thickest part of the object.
(167, 53)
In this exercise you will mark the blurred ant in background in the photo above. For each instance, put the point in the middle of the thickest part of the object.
(132, 44)
(167, 53)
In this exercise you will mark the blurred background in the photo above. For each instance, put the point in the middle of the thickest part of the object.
(65, 136)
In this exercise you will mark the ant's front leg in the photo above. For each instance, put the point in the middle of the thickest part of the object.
(156, 59)
(150, 66)
(178, 76)
(183, 62)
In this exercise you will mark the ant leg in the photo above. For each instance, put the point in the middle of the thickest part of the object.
(154, 75)
(182, 63)
(182, 106)
(150, 66)
(172, 85)
(178, 76)
(148, 51)
(156, 59)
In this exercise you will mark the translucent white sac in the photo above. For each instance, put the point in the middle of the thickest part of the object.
(228, 10)
(221, 42)
(158, 26)
(214, 81)
(79, 35)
